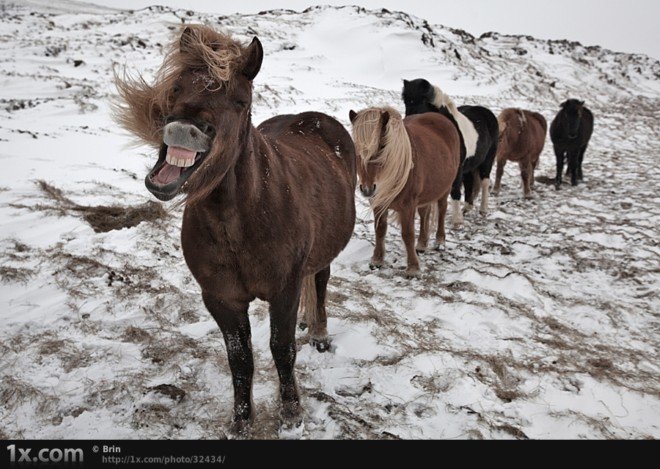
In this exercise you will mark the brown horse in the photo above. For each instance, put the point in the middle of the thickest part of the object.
(522, 136)
(405, 165)
(267, 208)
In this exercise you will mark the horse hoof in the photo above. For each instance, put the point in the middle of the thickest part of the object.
(375, 265)
(291, 427)
(420, 249)
(413, 272)
(457, 226)
(322, 345)
(240, 429)
(439, 246)
(483, 213)
(558, 187)
(529, 196)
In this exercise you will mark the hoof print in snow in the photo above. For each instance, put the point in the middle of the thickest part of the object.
(169, 390)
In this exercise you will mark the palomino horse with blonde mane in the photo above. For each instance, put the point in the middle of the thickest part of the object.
(522, 137)
(405, 165)
(267, 208)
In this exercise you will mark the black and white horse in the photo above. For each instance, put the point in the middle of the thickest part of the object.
(479, 136)
(570, 132)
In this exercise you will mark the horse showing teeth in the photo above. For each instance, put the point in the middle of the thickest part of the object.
(180, 162)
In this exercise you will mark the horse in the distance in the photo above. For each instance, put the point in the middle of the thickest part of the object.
(522, 136)
(479, 137)
(267, 208)
(405, 165)
(570, 132)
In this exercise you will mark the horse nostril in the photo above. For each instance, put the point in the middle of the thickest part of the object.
(208, 129)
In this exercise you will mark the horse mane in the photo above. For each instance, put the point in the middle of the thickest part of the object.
(141, 107)
(395, 157)
(440, 100)
(465, 125)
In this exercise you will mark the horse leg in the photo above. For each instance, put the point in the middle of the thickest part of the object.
(235, 327)
(457, 214)
(468, 187)
(424, 218)
(485, 187)
(283, 311)
(318, 331)
(559, 155)
(572, 167)
(498, 175)
(581, 157)
(440, 233)
(408, 235)
(525, 174)
(379, 250)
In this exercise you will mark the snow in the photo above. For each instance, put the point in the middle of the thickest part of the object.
(538, 321)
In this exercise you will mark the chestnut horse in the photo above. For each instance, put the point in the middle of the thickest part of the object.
(267, 209)
(522, 136)
(405, 165)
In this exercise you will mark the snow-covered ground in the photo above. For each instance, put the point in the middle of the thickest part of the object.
(538, 321)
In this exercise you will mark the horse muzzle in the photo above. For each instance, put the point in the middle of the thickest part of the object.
(368, 190)
(185, 146)
(189, 136)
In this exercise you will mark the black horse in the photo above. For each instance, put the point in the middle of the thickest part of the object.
(570, 132)
(479, 137)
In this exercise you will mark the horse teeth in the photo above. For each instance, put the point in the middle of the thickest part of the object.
(180, 162)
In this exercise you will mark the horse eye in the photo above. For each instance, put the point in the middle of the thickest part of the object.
(176, 89)
(241, 104)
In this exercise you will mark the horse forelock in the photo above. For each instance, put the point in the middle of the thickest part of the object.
(142, 106)
(395, 158)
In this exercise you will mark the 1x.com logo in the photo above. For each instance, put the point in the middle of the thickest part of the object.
(25, 455)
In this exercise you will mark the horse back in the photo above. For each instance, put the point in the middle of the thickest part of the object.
(309, 131)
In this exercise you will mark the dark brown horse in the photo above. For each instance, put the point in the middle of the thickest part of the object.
(522, 136)
(267, 208)
(405, 165)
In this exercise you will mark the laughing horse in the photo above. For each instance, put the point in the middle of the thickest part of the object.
(267, 209)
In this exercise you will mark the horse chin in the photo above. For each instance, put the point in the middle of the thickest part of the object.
(165, 181)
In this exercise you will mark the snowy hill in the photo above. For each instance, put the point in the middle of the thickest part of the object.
(539, 321)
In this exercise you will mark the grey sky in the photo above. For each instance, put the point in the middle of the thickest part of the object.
(622, 25)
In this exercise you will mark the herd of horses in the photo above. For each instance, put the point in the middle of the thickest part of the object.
(268, 208)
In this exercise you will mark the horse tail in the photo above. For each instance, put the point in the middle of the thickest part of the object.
(308, 300)
(503, 125)
(476, 183)
(522, 119)
(433, 217)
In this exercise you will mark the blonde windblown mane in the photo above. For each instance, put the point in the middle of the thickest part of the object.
(395, 156)
(141, 106)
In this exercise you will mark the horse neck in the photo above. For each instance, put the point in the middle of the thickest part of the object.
(240, 188)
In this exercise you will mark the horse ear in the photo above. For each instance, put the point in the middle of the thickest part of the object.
(254, 56)
(352, 115)
(563, 105)
(581, 103)
(186, 38)
(384, 118)
(405, 83)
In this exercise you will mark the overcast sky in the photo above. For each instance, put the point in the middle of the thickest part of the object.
(621, 25)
